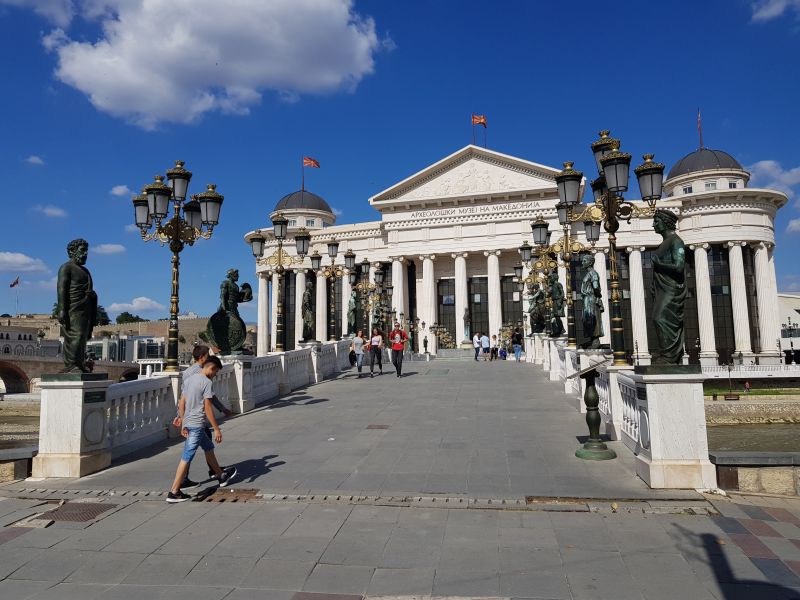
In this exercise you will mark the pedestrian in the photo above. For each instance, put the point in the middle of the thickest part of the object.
(516, 343)
(493, 349)
(357, 346)
(376, 352)
(195, 410)
(200, 354)
(476, 343)
(746, 387)
(398, 339)
(485, 346)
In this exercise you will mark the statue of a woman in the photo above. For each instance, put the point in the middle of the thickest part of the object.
(536, 308)
(668, 289)
(557, 304)
(226, 329)
(592, 304)
(466, 324)
(351, 312)
(307, 311)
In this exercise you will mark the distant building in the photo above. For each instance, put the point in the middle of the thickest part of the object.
(26, 341)
(127, 348)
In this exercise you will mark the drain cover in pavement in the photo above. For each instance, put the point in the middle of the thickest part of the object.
(377, 427)
(77, 511)
(229, 495)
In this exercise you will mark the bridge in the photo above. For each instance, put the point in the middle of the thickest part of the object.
(16, 373)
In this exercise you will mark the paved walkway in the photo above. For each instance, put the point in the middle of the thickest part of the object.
(422, 457)
(499, 430)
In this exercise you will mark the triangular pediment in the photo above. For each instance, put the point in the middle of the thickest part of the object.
(472, 171)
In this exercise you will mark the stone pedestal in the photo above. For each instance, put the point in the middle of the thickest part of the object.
(240, 390)
(73, 426)
(673, 444)
(557, 358)
(538, 348)
(612, 418)
(572, 385)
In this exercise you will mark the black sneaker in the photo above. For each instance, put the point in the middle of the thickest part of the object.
(226, 476)
(211, 472)
(174, 498)
(188, 483)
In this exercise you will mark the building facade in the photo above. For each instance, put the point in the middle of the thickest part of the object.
(449, 237)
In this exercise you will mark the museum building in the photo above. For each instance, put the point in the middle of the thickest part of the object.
(449, 236)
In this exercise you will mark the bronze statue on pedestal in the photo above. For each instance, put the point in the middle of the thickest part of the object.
(76, 308)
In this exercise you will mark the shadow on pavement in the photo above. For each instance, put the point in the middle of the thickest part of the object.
(731, 587)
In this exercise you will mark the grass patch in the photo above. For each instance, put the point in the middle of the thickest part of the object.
(738, 389)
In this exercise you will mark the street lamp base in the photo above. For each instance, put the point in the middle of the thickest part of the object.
(595, 451)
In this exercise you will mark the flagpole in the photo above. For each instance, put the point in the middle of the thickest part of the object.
(699, 128)
(484, 135)
(473, 129)
(302, 175)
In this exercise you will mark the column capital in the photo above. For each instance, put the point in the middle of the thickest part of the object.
(492, 252)
(397, 259)
(427, 257)
(598, 250)
(703, 245)
(459, 255)
(631, 249)
(731, 244)
(761, 244)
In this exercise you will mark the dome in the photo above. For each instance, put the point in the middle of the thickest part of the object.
(302, 199)
(704, 159)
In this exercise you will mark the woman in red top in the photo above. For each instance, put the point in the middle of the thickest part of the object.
(398, 339)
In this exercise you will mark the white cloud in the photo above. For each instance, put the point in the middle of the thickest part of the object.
(108, 249)
(793, 226)
(21, 263)
(33, 159)
(48, 210)
(131, 228)
(120, 190)
(137, 305)
(770, 174)
(789, 283)
(337, 211)
(59, 12)
(211, 55)
(766, 10)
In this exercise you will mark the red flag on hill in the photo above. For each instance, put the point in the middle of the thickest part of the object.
(310, 162)
(479, 120)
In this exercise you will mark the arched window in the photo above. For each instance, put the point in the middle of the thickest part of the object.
(19, 350)
(7, 350)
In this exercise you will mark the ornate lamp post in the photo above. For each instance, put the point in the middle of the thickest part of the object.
(367, 290)
(608, 209)
(332, 273)
(279, 261)
(190, 221)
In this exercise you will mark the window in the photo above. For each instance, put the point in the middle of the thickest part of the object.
(311, 222)
(446, 312)
(292, 223)
(732, 185)
(687, 189)
(710, 185)
(511, 299)
(479, 305)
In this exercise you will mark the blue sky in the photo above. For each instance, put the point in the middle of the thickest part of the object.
(100, 96)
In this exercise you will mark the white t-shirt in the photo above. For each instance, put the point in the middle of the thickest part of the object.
(476, 341)
(376, 340)
(494, 343)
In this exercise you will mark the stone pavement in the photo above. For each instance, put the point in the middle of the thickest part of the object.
(458, 481)
(500, 430)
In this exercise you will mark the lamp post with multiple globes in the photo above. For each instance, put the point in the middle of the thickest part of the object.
(332, 273)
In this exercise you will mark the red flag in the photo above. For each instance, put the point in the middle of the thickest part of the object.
(15, 283)
(310, 162)
(699, 128)
(479, 120)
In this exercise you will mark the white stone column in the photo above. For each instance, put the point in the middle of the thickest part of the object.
(768, 323)
(299, 290)
(741, 318)
(429, 300)
(705, 313)
(495, 296)
(321, 308)
(562, 279)
(776, 308)
(273, 329)
(346, 291)
(638, 310)
(399, 285)
(262, 338)
(602, 273)
(461, 296)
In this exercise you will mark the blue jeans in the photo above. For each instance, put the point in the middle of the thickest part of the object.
(359, 361)
(197, 438)
(517, 351)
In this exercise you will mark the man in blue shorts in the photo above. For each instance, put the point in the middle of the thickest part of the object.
(194, 411)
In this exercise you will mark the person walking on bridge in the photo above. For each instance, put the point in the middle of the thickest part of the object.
(376, 352)
(398, 338)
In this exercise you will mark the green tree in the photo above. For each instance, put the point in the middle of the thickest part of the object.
(101, 318)
(126, 317)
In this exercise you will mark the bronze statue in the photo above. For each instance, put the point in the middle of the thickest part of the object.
(226, 329)
(668, 289)
(466, 323)
(536, 308)
(76, 309)
(307, 312)
(592, 304)
(557, 305)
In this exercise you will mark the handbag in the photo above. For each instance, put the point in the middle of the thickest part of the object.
(352, 357)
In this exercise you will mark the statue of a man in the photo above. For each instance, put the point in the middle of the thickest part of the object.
(226, 329)
(351, 312)
(668, 289)
(592, 304)
(466, 323)
(307, 312)
(557, 304)
(536, 308)
(76, 309)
